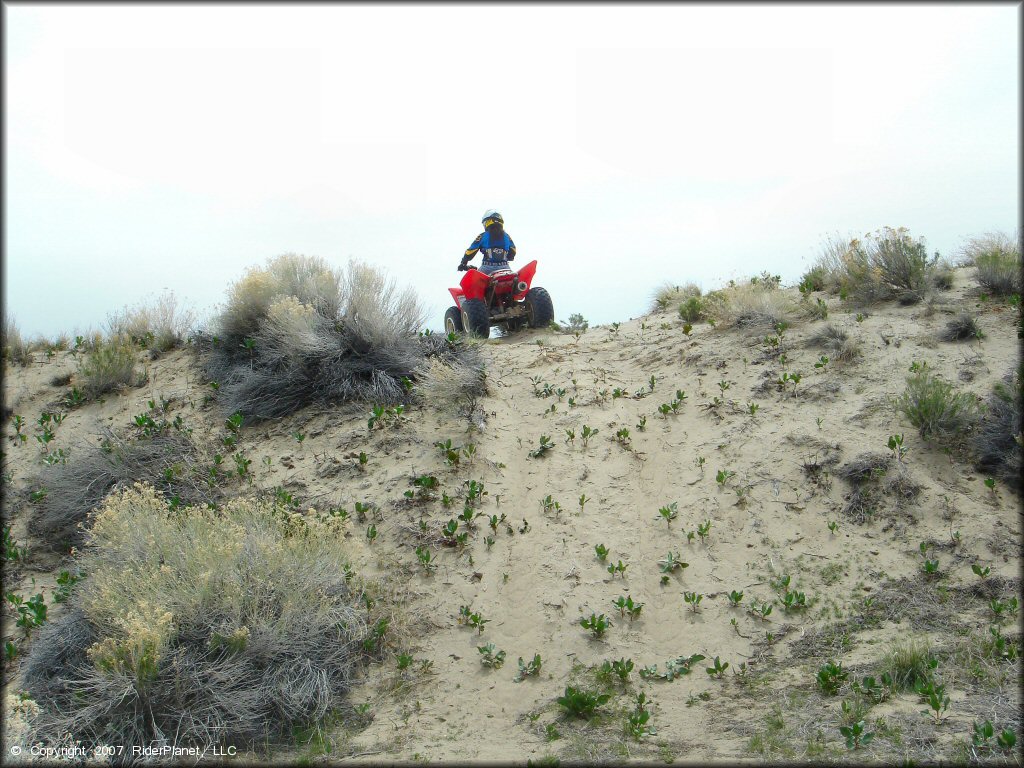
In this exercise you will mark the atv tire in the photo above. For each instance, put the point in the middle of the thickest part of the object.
(540, 312)
(452, 321)
(475, 319)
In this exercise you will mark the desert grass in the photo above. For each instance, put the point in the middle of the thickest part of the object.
(201, 626)
(996, 259)
(107, 367)
(160, 326)
(75, 488)
(338, 336)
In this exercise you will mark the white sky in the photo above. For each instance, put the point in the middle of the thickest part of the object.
(156, 147)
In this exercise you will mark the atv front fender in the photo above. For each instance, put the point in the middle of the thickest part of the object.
(474, 284)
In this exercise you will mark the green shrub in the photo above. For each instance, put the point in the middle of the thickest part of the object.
(997, 264)
(931, 405)
(216, 626)
(756, 305)
(107, 366)
(692, 309)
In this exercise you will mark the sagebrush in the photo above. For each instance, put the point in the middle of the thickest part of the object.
(203, 626)
(299, 332)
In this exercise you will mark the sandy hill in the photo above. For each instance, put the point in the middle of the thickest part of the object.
(786, 491)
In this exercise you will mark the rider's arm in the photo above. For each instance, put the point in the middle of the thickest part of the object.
(511, 249)
(473, 248)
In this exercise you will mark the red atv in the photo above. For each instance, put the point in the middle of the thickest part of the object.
(503, 298)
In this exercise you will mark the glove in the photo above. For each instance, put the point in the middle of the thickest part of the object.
(463, 266)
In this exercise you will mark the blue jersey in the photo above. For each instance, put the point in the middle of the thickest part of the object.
(501, 250)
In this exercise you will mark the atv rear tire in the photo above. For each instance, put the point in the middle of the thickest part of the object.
(452, 321)
(540, 312)
(475, 319)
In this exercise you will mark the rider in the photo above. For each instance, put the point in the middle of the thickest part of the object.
(494, 243)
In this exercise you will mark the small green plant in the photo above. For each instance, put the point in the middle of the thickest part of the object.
(980, 572)
(637, 721)
(724, 476)
(581, 703)
(704, 530)
(490, 656)
(693, 599)
(669, 513)
(586, 434)
(833, 526)
(626, 605)
(545, 446)
(896, 446)
(718, 668)
(856, 735)
(822, 363)
(830, 677)
(601, 551)
(671, 563)
(735, 598)
(472, 618)
(426, 559)
(596, 624)
(531, 669)
(619, 568)
(934, 695)
(65, 582)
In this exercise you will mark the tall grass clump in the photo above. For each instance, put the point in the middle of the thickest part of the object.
(167, 460)
(907, 663)
(160, 326)
(15, 350)
(668, 295)
(757, 305)
(298, 331)
(998, 440)
(996, 261)
(108, 366)
(931, 405)
(201, 626)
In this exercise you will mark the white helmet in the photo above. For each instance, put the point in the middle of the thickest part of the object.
(492, 217)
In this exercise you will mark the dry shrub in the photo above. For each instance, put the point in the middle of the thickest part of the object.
(826, 272)
(452, 388)
(669, 294)
(997, 439)
(108, 366)
(838, 344)
(15, 350)
(336, 337)
(74, 489)
(201, 626)
(758, 305)
(160, 326)
(963, 326)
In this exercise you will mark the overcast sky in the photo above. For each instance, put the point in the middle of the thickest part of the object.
(170, 147)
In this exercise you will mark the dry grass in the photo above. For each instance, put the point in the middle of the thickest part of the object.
(938, 412)
(160, 326)
(15, 350)
(838, 344)
(750, 306)
(669, 295)
(202, 627)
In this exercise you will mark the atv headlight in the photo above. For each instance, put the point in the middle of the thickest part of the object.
(521, 286)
